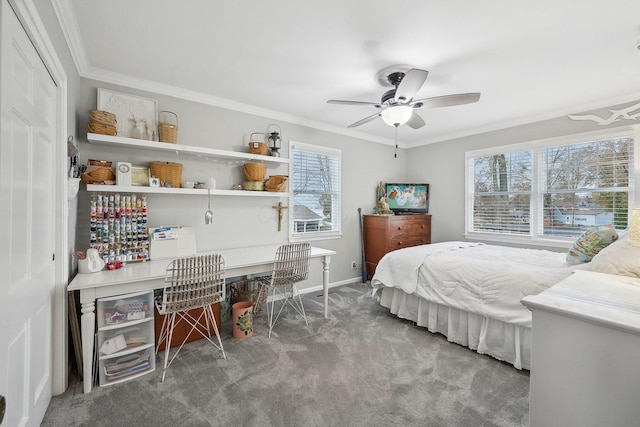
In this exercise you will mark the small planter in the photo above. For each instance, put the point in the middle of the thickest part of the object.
(242, 317)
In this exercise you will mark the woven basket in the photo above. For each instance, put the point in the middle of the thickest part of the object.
(103, 163)
(86, 179)
(168, 131)
(167, 172)
(102, 129)
(98, 175)
(276, 183)
(254, 171)
(258, 147)
(248, 290)
(102, 117)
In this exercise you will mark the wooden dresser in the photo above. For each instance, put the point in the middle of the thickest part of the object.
(386, 233)
(182, 328)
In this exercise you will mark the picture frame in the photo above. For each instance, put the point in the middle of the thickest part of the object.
(154, 182)
(140, 176)
(136, 116)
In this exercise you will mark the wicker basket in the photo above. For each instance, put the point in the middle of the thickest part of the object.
(248, 290)
(167, 173)
(102, 129)
(102, 117)
(254, 171)
(98, 175)
(276, 183)
(258, 147)
(168, 131)
(103, 163)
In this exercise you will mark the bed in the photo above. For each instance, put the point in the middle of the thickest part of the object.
(470, 292)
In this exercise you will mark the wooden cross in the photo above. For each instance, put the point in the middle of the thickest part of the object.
(280, 207)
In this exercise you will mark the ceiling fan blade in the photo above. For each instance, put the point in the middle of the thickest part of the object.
(410, 85)
(446, 100)
(338, 101)
(365, 120)
(415, 122)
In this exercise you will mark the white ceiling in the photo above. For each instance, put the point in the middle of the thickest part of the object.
(284, 59)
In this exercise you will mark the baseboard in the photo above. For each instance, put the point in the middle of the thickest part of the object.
(331, 285)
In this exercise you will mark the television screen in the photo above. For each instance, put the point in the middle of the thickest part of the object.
(408, 198)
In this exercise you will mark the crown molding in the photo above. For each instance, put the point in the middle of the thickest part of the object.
(69, 25)
(521, 121)
(202, 98)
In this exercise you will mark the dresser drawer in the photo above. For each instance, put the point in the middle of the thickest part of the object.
(407, 241)
(412, 227)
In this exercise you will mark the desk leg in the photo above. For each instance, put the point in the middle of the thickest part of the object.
(88, 324)
(325, 284)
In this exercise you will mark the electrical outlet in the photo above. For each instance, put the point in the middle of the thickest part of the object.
(354, 265)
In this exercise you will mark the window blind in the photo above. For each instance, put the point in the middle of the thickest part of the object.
(316, 190)
(551, 190)
(502, 192)
(585, 184)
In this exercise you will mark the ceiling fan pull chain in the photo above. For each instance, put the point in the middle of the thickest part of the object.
(395, 153)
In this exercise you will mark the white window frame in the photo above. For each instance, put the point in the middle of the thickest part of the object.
(315, 235)
(534, 238)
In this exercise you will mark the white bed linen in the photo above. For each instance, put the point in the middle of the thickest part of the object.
(486, 280)
(503, 341)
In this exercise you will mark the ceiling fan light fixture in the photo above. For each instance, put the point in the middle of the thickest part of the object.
(396, 115)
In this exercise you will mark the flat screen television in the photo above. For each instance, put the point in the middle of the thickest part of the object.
(406, 198)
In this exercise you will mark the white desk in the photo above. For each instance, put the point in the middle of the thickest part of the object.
(150, 275)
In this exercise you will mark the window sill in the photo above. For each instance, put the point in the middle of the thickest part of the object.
(313, 236)
(523, 240)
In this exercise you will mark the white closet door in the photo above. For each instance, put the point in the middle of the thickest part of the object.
(27, 215)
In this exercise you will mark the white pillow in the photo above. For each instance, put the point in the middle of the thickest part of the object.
(590, 243)
(634, 228)
(621, 258)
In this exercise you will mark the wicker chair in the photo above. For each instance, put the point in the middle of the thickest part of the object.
(190, 283)
(291, 266)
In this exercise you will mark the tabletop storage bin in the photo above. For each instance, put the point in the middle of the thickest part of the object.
(126, 337)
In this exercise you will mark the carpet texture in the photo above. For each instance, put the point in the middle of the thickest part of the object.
(361, 366)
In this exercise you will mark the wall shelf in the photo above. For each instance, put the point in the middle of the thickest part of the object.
(118, 141)
(184, 191)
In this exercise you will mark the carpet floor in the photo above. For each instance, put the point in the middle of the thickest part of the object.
(361, 366)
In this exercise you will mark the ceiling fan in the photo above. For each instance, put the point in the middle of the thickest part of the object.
(396, 105)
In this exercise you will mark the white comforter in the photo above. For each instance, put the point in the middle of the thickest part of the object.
(484, 279)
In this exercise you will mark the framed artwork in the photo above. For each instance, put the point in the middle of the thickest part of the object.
(137, 117)
(140, 175)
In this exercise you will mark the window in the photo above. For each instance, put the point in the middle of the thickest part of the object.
(315, 188)
(550, 189)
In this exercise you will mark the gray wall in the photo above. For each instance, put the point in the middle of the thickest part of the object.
(244, 221)
(442, 165)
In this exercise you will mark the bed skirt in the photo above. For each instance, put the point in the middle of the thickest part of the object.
(504, 341)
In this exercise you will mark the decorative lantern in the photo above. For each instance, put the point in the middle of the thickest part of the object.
(275, 141)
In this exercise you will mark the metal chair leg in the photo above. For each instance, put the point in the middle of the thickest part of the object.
(294, 291)
(169, 336)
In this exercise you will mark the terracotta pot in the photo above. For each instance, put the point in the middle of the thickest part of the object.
(242, 317)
